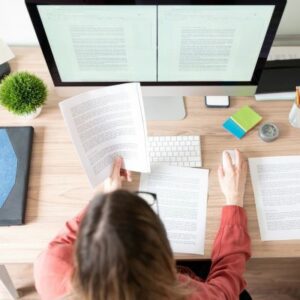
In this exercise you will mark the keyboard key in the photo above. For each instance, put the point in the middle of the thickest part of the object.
(176, 150)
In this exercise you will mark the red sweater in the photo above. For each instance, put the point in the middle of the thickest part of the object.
(231, 250)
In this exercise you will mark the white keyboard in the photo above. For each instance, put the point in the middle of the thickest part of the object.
(182, 151)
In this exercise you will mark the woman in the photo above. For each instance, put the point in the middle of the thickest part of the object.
(117, 249)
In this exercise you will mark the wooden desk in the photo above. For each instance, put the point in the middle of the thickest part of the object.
(58, 187)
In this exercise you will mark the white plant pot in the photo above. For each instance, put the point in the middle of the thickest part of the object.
(32, 115)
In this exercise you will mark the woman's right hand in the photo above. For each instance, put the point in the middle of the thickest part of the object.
(115, 180)
(232, 178)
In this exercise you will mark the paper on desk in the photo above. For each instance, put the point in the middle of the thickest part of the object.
(276, 187)
(182, 199)
(5, 53)
(106, 123)
(284, 53)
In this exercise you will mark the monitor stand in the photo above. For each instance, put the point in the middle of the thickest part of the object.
(164, 108)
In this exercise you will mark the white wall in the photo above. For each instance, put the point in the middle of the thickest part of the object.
(290, 22)
(16, 27)
(15, 23)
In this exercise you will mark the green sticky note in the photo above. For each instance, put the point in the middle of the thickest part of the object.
(246, 118)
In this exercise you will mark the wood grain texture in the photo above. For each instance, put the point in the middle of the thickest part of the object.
(59, 188)
(273, 279)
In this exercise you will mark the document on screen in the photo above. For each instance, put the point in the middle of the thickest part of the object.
(209, 42)
(182, 199)
(107, 43)
(276, 189)
(106, 123)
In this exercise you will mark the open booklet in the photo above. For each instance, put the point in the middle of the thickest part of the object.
(106, 123)
(182, 200)
(276, 189)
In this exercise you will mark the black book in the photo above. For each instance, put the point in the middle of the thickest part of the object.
(15, 156)
(279, 76)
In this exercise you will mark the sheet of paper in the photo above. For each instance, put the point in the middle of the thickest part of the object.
(106, 123)
(284, 53)
(182, 199)
(5, 53)
(276, 189)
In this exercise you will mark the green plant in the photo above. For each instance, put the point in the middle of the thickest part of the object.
(22, 93)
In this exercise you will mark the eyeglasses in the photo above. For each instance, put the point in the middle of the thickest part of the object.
(150, 198)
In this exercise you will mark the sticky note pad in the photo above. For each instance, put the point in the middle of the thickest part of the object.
(233, 128)
(246, 118)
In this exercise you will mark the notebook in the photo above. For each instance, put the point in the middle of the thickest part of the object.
(15, 156)
(279, 80)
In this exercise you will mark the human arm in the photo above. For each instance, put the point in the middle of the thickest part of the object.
(54, 267)
(231, 248)
(230, 252)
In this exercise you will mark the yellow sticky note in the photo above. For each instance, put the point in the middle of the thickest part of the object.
(246, 118)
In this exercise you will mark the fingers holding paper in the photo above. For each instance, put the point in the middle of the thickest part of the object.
(118, 175)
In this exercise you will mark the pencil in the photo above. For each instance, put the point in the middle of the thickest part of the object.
(298, 98)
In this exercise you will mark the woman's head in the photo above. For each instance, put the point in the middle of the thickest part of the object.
(123, 252)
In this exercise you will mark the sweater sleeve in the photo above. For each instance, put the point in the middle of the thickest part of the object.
(54, 267)
(230, 252)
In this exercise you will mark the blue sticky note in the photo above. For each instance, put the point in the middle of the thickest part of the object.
(234, 128)
(8, 166)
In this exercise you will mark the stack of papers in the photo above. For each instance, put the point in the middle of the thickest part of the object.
(110, 122)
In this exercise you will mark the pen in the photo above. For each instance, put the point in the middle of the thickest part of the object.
(298, 98)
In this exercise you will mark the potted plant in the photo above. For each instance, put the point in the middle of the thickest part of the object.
(23, 94)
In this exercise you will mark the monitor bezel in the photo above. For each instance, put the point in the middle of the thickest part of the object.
(265, 49)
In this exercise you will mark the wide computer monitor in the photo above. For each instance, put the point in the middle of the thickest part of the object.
(174, 48)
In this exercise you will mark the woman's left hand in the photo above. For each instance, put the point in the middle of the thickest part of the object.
(118, 175)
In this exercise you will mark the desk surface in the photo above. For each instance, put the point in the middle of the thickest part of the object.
(58, 187)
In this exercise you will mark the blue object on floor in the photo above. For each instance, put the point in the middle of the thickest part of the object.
(234, 128)
(8, 166)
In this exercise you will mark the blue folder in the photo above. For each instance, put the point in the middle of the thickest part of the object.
(15, 156)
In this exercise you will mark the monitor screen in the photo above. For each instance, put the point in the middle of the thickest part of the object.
(157, 43)
(152, 43)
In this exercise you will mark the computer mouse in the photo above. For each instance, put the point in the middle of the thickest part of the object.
(232, 155)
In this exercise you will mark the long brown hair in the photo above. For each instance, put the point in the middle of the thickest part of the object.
(123, 253)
